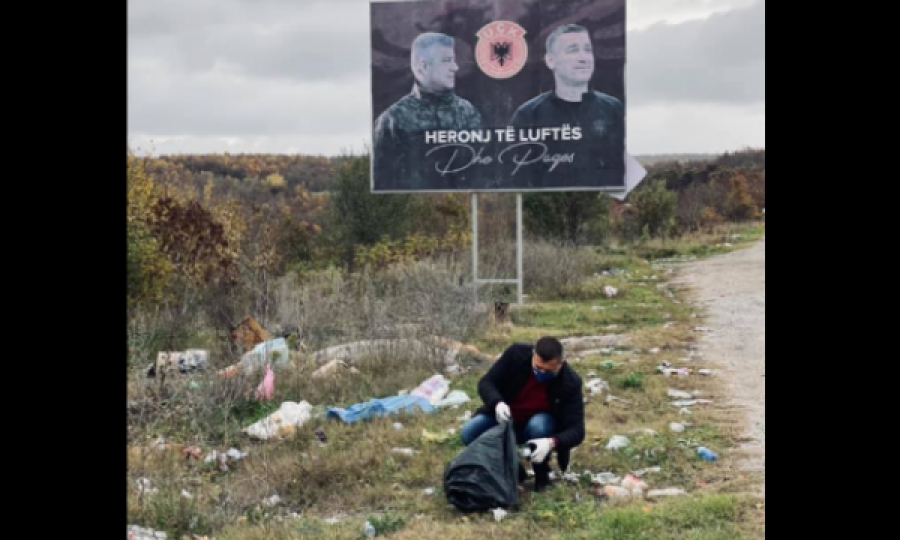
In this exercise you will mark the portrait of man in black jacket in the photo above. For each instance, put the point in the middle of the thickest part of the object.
(534, 388)
(599, 151)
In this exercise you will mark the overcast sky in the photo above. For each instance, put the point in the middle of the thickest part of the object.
(292, 76)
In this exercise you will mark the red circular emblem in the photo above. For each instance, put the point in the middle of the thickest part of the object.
(502, 51)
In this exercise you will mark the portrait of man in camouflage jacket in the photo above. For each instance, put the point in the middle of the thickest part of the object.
(399, 139)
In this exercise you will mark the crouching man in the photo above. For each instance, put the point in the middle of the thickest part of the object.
(535, 389)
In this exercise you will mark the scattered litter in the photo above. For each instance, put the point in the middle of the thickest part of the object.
(184, 361)
(192, 452)
(571, 477)
(668, 492)
(644, 472)
(272, 501)
(682, 373)
(333, 521)
(320, 434)
(465, 417)
(369, 530)
(186, 494)
(499, 514)
(453, 369)
(266, 389)
(434, 389)
(404, 451)
(235, 454)
(616, 493)
(592, 375)
(610, 291)
(702, 329)
(274, 352)
(613, 399)
(281, 423)
(145, 487)
(380, 407)
(428, 491)
(654, 350)
(679, 394)
(705, 372)
(691, 403)
(451, 431)
(685, 412)
(596, 386)
(398, 426)
(618, 442)
(141, 533)
(456, 397)
(634, 484)
(676, 427)
(645, 431)
(706, 454)
(598, 308)
(605, 478)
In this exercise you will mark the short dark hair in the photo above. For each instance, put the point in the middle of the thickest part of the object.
(565, 29)
(549, 349)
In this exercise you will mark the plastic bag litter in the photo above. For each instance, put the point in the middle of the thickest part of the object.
(618, 442)
(456, 397)
(266, 389)
(282, 422)
(605, 478)
(273, 352)
(434, 389)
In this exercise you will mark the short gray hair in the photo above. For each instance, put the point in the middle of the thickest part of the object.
(565, 29)
(426, 41)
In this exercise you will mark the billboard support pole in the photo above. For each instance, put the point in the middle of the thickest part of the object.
(520, 247)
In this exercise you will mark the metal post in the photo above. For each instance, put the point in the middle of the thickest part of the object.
(475, 245)
(520, 247)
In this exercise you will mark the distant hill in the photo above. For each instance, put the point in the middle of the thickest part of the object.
(653, 159)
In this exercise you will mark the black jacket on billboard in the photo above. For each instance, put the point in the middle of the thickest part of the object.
(599, 156)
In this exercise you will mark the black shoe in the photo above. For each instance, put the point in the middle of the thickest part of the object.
(541, 477)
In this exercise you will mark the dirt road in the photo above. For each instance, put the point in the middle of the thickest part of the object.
(732, 290)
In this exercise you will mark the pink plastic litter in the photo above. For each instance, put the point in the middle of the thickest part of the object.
(266, 389)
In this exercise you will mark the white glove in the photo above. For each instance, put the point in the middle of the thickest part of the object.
(503, 412)
(544, 446)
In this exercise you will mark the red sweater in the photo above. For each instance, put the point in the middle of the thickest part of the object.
(531, 400)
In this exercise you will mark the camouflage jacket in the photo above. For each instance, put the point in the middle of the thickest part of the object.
(399, 139)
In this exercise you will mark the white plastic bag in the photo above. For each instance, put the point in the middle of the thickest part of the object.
(278, 424)
(434, 389)
(456, 397)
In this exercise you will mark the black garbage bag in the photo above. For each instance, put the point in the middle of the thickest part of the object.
(486, 474)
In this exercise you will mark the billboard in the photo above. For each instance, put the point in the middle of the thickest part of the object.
(498, 95)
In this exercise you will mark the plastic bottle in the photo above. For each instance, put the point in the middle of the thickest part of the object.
(706, 454)
(369, 530)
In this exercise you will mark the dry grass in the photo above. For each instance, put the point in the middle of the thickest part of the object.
(355, 477)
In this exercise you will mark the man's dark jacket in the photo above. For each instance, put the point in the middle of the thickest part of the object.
(508, 376)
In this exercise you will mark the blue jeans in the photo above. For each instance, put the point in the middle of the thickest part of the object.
(540, 426)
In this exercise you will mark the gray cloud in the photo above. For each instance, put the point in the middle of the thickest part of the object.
(721, 59)
(291, 75)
